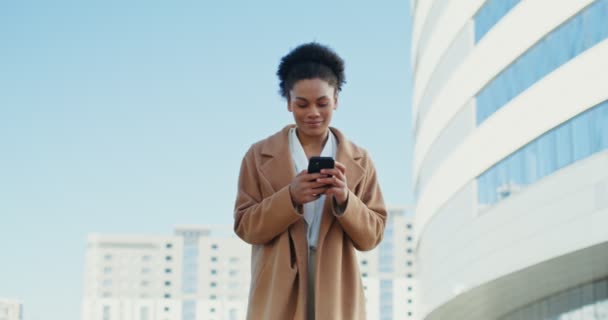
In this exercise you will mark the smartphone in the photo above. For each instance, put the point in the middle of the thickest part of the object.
(315, 164)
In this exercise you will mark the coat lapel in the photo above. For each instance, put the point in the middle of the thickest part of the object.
(277, 166)
(278, 170)
(350, 156)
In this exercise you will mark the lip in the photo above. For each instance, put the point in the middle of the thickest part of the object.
(314, 124)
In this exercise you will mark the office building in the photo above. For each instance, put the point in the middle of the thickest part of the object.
(510, 109)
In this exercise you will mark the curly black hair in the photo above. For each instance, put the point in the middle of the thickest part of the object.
(310, 61)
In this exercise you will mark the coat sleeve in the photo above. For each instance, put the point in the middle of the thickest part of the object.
(364, 217)
(257, 220)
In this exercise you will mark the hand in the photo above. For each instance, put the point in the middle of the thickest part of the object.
(336, 184)
(304, 188)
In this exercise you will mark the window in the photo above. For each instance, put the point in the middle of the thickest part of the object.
(168, 270)
(106, 294)
(364, 275)
(233, 314)
(571, 38)
(234, 260)
(169, 245)
(146, 258)
(214, 246)
(364, 262)
(409, 301)
(107, 270)
(213, 259)
(233, 272)
(108, 257)
(212, 297)
(167, 296)
(145, 270)
(106, 312)
(409, 238)
(145, 283)
(167, 309)
(409, 263)
(409, 226)
(167, 283)
(575, 139)
(409, 275)
(409, 288)
(212, 310)
(213, 271)
(213, 284)
(409, 250)
(144, 313)
(168, 258)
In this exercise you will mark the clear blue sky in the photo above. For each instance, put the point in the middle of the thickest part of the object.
(133, 116)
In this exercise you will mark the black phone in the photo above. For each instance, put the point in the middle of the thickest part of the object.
(315, 164)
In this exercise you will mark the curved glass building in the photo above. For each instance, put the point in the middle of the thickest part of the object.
(510, 108)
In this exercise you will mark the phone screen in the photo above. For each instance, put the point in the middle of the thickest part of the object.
(315, 164)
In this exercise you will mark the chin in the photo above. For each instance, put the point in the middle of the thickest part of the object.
(314, 131)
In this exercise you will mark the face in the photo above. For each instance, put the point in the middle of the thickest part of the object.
(312, 102)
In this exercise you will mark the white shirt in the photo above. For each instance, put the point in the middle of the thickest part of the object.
(314, 209)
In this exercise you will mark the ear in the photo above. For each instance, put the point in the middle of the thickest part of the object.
(335, 101)
(289, 106)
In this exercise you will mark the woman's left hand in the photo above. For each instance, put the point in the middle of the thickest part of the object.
(336, 183)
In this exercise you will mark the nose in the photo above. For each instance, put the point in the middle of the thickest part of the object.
(314, 112)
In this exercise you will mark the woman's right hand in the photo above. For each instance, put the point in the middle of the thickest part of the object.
(304, 188)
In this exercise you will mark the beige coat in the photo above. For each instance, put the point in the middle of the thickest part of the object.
(266, 218)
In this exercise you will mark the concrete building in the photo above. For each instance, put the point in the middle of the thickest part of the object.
(200, 273)
(133, 277)
(510, 106)
(216, 273)
(388, 271)
(11, 309)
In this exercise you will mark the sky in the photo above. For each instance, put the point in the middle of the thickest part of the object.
(133, 117)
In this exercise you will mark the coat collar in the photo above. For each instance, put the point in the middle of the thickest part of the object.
(277, 164)
(278, 169)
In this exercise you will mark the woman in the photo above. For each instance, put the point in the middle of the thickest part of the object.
(304, 228)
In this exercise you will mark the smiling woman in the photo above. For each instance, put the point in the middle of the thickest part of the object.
(304, 264)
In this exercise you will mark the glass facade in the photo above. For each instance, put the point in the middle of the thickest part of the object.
(434, 14)
(586, 302)
(386, 299)
(489, 14)
(190, 272)
(385, 249)
(576, 139)
(581, 32)
(386, 265)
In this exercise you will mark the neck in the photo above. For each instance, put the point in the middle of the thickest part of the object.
(312, 144)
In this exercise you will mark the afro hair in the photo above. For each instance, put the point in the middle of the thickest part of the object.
(310, 61)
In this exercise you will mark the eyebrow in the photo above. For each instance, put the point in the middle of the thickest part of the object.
(319, 98)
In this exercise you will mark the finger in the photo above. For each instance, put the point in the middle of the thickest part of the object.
(327, 181)
(312, 184)
(334, 191)
(340, 166)
(335, 173)
(317, 191)
(310, 176)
